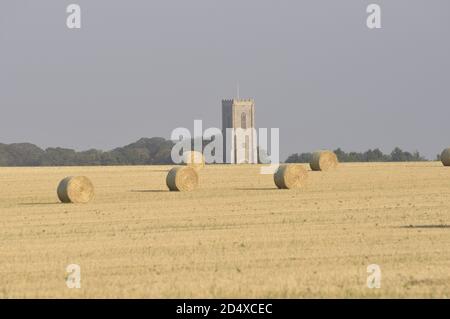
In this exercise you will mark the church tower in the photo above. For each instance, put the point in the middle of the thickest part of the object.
(240, 144)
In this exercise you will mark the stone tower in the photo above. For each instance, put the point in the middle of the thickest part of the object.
(240, 147)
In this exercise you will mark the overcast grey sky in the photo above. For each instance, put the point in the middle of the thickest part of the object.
(141, 68)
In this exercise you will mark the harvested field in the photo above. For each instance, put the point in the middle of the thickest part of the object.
(237, 235)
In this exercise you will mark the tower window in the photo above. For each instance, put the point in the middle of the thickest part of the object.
(244, 120)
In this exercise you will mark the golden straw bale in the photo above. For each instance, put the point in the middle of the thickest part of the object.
(445, 157)
(323, 161)
(182, 179)
(78, 189)
(290, 176)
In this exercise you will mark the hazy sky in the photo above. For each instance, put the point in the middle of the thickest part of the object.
(141, 68)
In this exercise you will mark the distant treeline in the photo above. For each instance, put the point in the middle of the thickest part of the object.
(156, 150)
(146, 151)
(375, 155)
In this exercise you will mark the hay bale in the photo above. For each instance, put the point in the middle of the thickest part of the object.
(77, 189)
(290, 176)
(445, 157)
(182, 179)
(323, 161)
(194, 159)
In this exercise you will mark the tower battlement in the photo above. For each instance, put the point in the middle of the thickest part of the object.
(237, 100)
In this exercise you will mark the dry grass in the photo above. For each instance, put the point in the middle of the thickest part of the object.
(237, 235)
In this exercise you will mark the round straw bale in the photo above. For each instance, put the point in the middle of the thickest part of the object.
(194, 159)
(323, 161)
(182, 179)
(77, 189)
(445, 157)
(290, 176)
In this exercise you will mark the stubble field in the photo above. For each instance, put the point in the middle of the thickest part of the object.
(235, 236)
